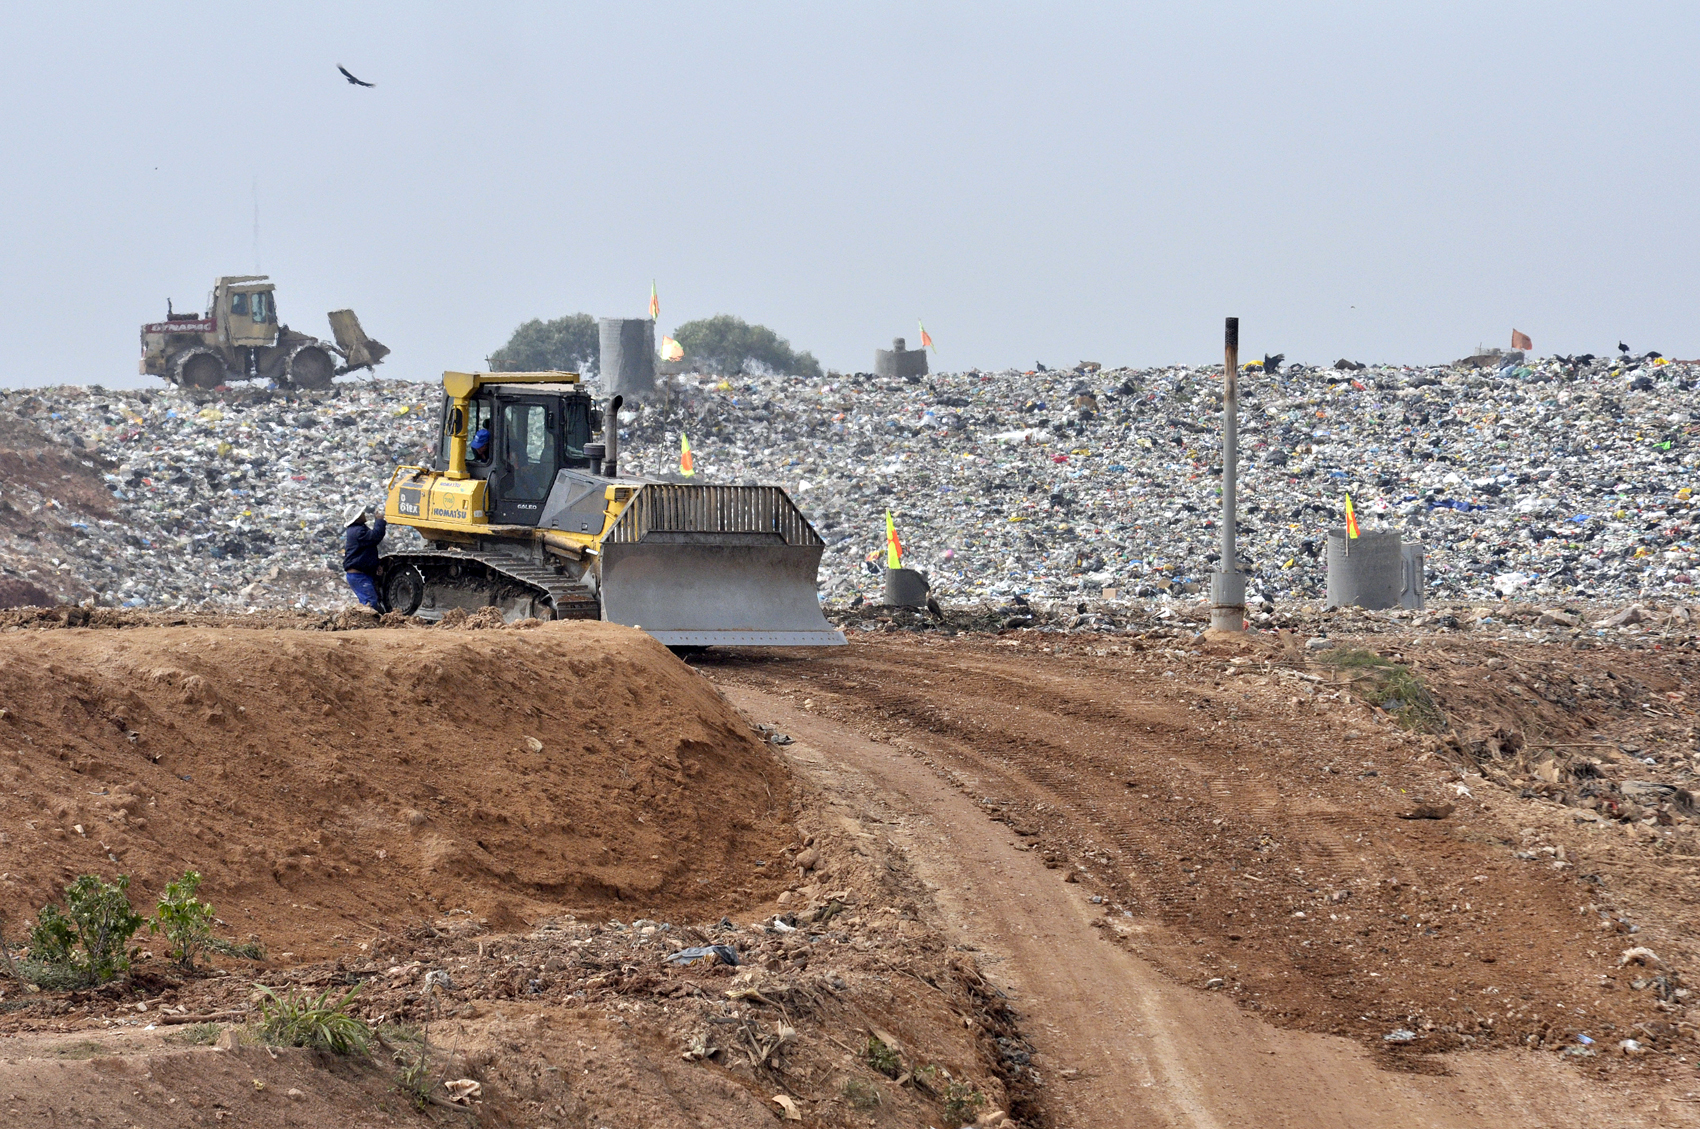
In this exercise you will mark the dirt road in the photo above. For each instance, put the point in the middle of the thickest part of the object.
(1008, 773)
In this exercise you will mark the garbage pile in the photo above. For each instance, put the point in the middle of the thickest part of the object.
(229, 498)
(1549, 479)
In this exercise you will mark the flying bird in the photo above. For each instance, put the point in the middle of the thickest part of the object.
(1273, 364)
(352, 80)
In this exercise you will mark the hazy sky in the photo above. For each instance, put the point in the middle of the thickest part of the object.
(1037, 182)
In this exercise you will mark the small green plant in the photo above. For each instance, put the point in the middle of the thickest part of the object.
(6, 950)
(198, 1034)
(185, 922)
(862, 1095)
(411, 1050)
(300, 1019)
(388, 1033)
(1380, 681)
(415, 1080)
(84, 943)
(962, 1103)
(252, 950)
(882, 1058)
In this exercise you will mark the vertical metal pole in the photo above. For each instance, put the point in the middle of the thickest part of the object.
(1227, 586)
(1230, 442)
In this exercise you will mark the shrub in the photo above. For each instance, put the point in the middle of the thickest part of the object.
(729, 346)
(572, 343)
(84, 943)
(303, 1020)
(882, 1058)
(962, 1102)
(185, 922)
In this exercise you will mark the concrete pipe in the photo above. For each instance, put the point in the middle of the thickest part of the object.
(1367, 571)
(905, 588)
(899, 361)
(627, 363)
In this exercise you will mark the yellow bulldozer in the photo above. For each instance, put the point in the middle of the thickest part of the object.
(522, 510)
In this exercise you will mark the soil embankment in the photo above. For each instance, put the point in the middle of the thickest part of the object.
(331, 785)
(497, 838)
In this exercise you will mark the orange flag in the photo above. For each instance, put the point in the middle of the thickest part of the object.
(1351, 519)
(687, 465)
(926, 339)
(654, 301)
(671, 350)
(1521, 341)
(893, 547)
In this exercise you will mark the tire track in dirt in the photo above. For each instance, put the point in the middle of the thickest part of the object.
(1119, 1044)
(1016, 748)
(1237, 831)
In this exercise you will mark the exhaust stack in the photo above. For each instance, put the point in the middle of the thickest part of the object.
(611, 438)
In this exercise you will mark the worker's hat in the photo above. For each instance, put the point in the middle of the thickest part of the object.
(354, 513)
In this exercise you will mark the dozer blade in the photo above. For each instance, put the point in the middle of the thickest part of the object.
(361, 351)
(708, 590)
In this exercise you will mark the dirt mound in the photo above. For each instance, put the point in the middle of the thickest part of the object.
(334, 785)
(577, 1020)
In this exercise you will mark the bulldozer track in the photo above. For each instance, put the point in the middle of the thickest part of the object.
(569, 598)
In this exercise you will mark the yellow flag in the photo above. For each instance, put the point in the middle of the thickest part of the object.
(893, 547)
(654, 301)
(687, 465)
(1351, 518)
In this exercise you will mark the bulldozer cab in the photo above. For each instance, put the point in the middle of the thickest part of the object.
(246, 310)
(532, 432)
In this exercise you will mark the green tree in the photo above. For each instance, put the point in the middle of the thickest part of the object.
(572, 344)
(729, 345)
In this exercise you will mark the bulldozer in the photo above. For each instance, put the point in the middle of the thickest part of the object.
(522, 511)
(239, 338)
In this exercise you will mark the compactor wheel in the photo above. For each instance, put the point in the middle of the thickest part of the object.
(311, 367)
(201, 370)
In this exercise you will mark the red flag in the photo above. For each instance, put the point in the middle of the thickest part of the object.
(1521, 341)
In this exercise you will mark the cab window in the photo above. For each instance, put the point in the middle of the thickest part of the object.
(530, 448)
(239, 305)
(262, 303)
(480, 415)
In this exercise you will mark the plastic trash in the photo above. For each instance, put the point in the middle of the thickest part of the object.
(725, 954)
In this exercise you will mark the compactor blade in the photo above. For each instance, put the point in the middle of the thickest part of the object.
(361, 351)
(717, 589)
